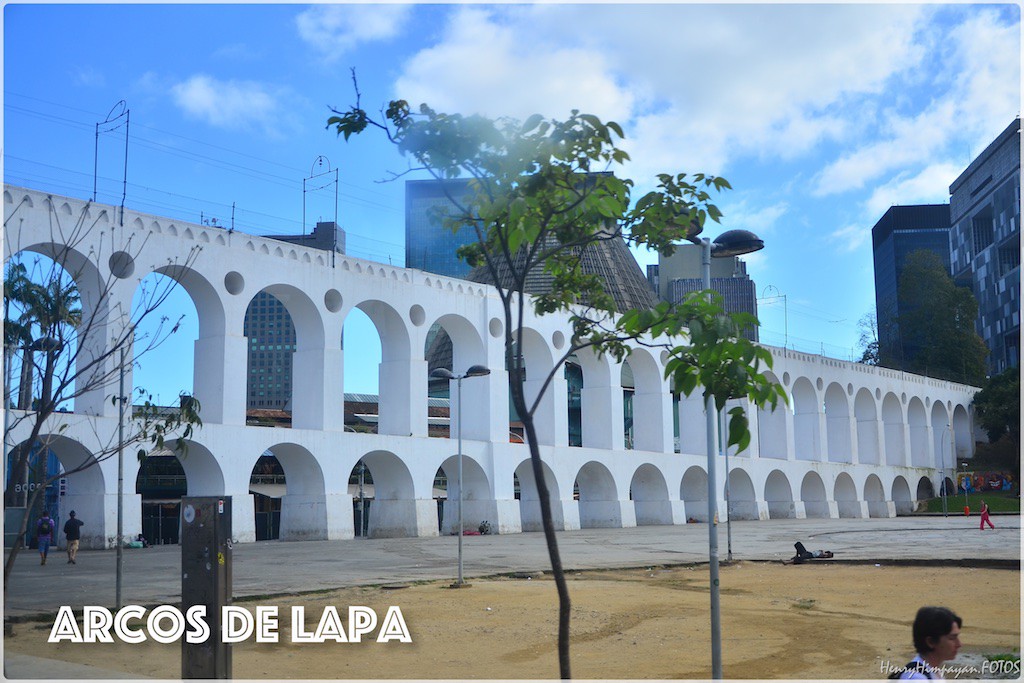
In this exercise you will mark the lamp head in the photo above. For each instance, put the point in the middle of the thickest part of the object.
(442, 373)
(736, 243)
(477, 371)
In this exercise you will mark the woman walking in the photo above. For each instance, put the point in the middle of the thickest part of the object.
(985, 517)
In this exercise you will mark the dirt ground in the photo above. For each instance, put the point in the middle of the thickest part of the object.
(778, 622)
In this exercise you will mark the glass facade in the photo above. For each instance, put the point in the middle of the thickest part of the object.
(429, 245)
(985, 244)
(901, 231)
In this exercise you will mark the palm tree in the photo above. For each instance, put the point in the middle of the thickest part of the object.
(52, 309)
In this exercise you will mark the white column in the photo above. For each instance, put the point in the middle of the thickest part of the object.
(403, 398)
(219, 379)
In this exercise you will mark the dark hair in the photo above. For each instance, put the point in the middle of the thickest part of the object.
(933, 622)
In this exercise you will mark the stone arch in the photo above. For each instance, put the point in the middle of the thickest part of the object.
(598, 407)
(778, 494)
(86, 490)
(693, 489)
(942, 446)
(892, 420)
(529, 497)
(299, 357)
(476, 494)
(629, 416)
(89, 342)
(963, 432)
(925, 489)
(304, 514)
(772, 441)
(837, 424)
(742, 495)
(396, 385)
(649, 402)
(161, 483)
(599, 498)
(806, 424)
(538, 360)
(393, 510)
(649, 492)
(874, 496)
(867, 428)
(901, 498)
(456, 345)
(202, 470)
(917, 421)
(845, 495)
(814, 497)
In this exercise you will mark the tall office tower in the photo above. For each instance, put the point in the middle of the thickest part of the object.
(430, 246)
(271, 333)
(985, 243)
(901, 231)
(680, 274)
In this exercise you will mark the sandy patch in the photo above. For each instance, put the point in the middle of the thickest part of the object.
(805, 622)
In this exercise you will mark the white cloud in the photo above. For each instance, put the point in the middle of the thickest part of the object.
(758, 219)
(231, 104)
(334, 30)
(851, 238)
(975, 92)
(929, 186)
(89, 76)
(490, 66)
(694, 85)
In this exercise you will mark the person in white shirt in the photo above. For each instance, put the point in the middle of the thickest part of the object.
(936, 633)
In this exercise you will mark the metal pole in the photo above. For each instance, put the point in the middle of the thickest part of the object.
(458, 412)
(712, 428)
(362, 501)
(728, 501)
(942, 476)
(120, 485)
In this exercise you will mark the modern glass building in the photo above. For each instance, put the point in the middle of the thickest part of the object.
(429, 245)
(985, 243)
(901, 231)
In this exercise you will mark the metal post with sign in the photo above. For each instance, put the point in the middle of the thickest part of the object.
(206, 580)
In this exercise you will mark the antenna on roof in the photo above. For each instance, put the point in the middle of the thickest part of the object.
(318, 163)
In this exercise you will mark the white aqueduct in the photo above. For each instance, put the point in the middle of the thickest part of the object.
(854, 441)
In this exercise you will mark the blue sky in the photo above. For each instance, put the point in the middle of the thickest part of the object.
(821, 117)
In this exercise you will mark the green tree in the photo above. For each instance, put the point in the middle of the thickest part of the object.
(936, 322)
(997, 408)
(65, 353)
(540, 198)
(868, 340)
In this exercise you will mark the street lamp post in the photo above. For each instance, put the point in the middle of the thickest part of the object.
(444, 373)
(942, 471)
(729, 243)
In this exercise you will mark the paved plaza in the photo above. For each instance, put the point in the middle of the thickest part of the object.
(152, 575)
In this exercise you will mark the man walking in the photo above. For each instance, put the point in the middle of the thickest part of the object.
(44, 534)
(72, 531)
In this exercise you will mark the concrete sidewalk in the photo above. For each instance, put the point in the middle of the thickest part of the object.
(152, 576)
(17, 666)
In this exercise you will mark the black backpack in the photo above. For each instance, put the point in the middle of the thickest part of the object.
(44, 527)
(911, 666)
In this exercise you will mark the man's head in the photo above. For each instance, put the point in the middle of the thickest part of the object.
(71, 514)
(46, 513)
(937, 633)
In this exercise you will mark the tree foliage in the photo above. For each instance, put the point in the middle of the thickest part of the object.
(997, 407)
(936, 323)
(542, 195)
(66, 353)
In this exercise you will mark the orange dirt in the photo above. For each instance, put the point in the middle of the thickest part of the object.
(806, 622)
